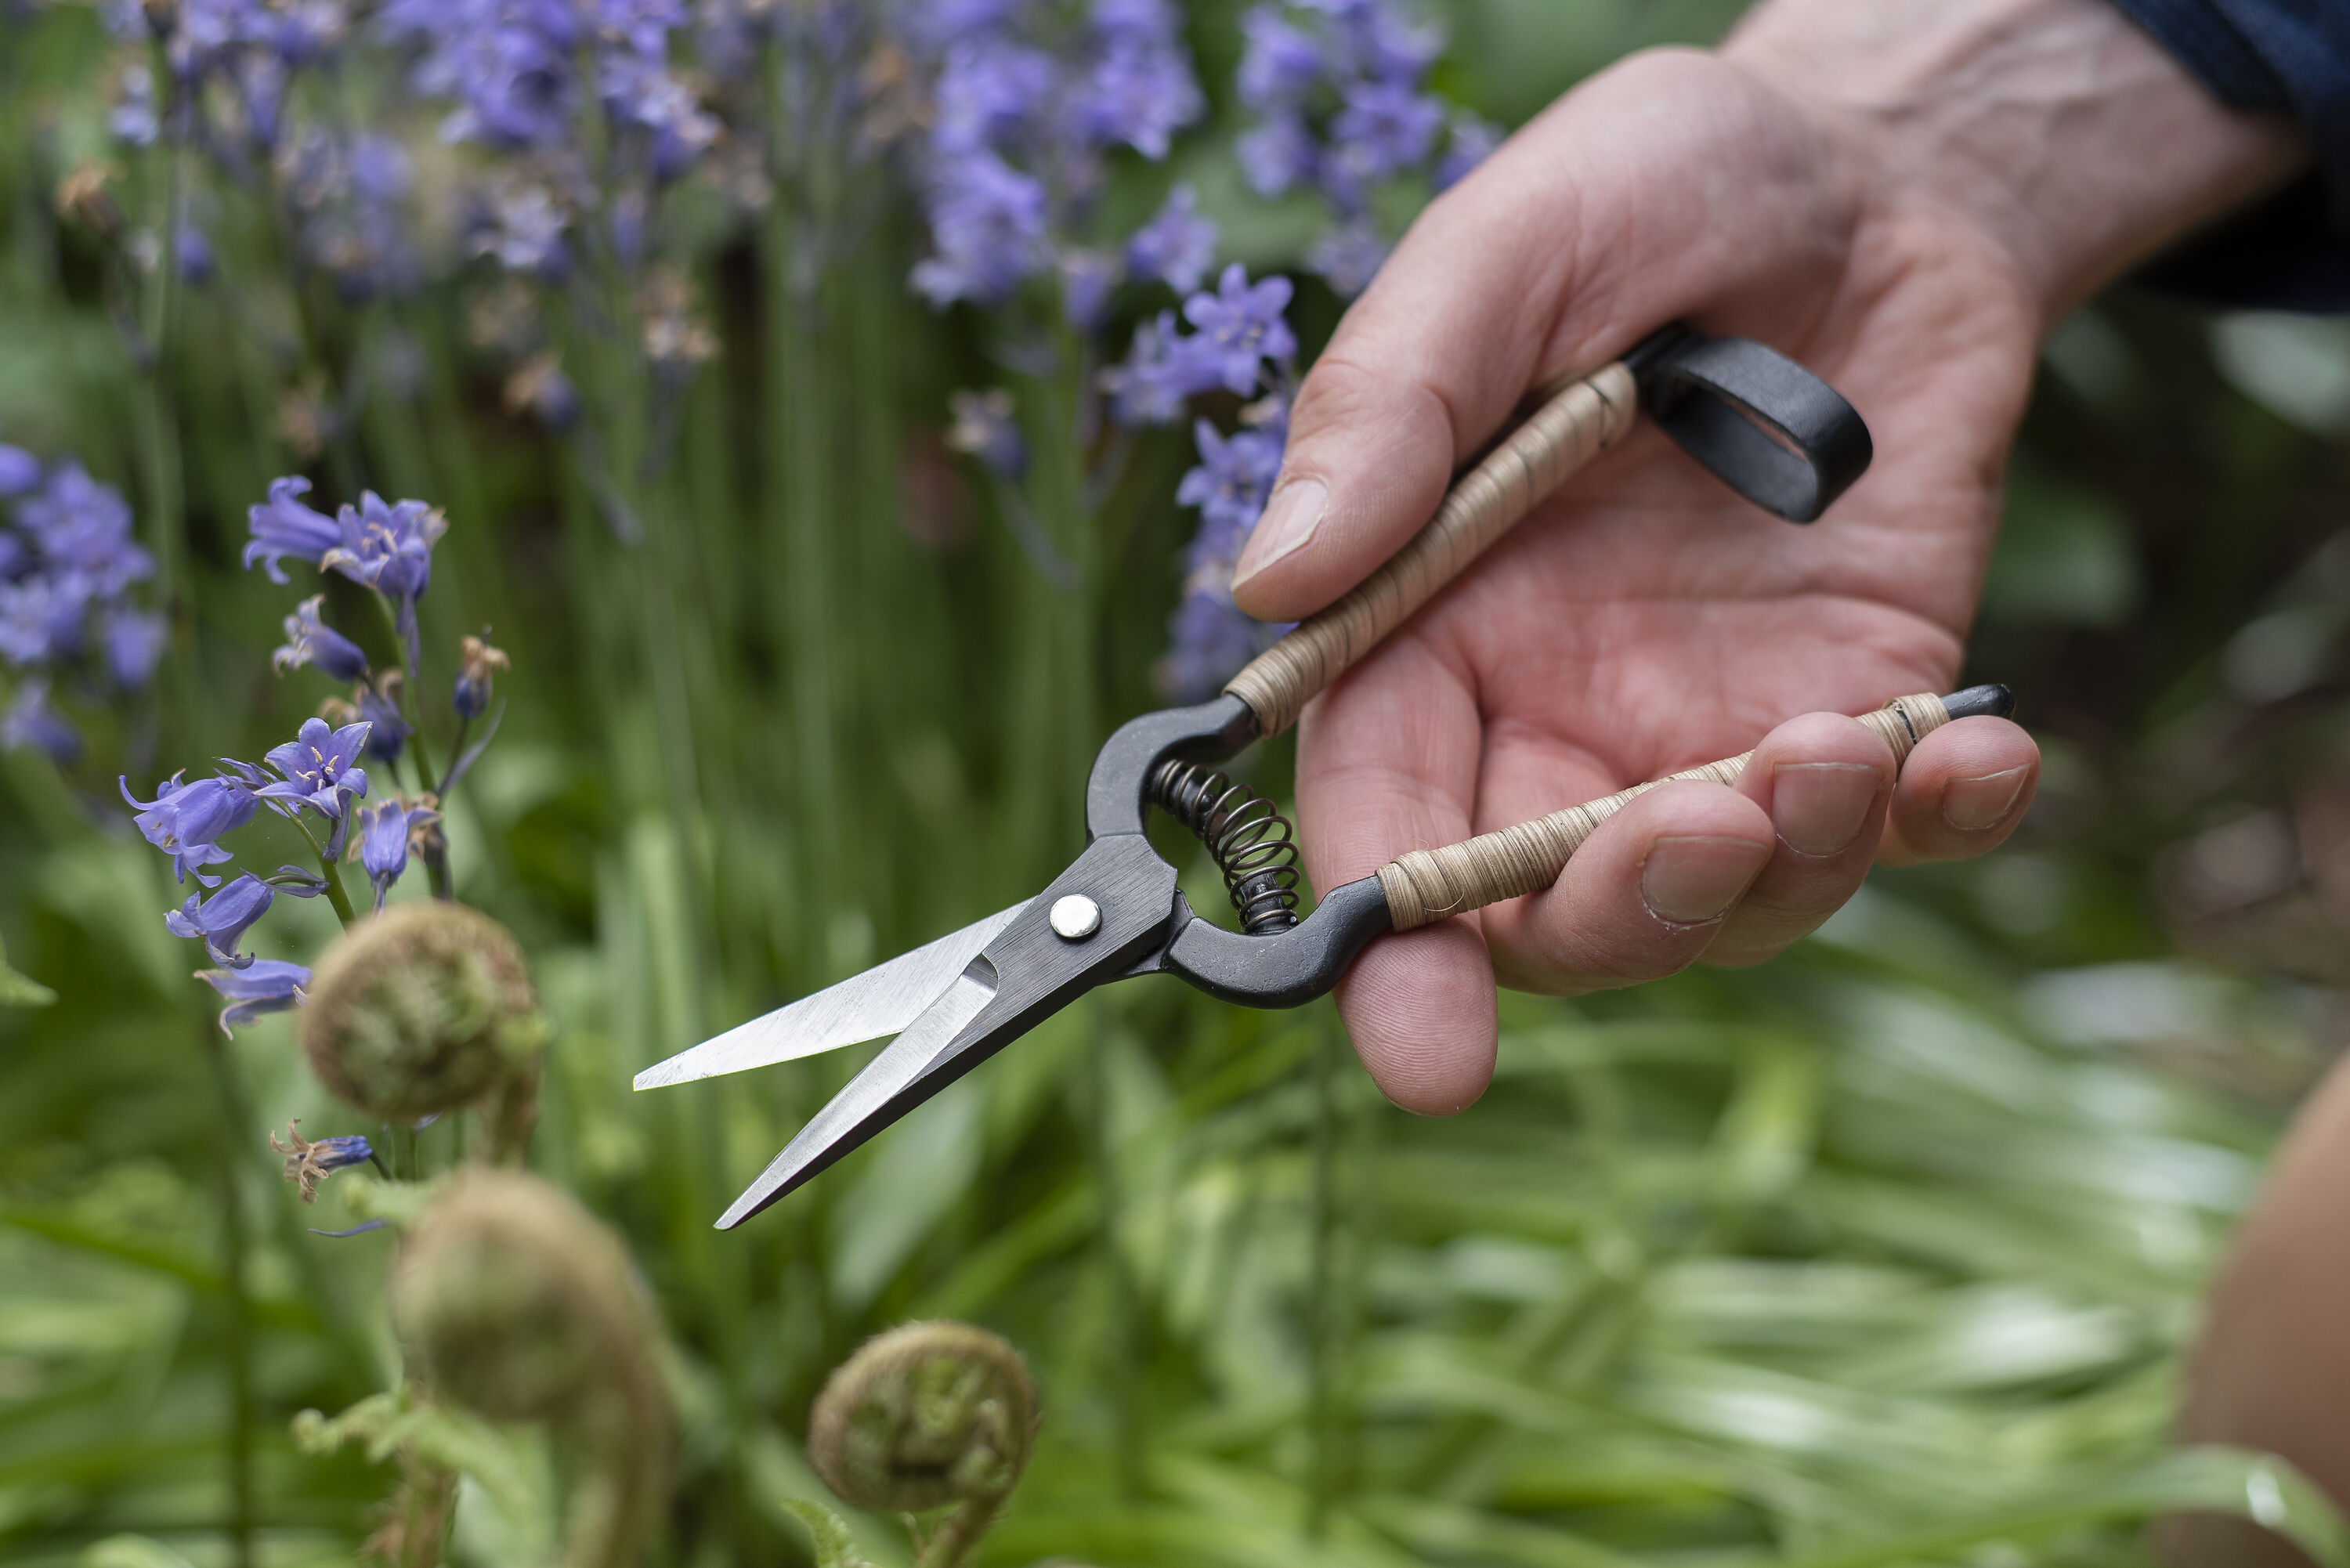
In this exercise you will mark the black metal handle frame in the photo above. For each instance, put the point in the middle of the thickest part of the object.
(1765, 426)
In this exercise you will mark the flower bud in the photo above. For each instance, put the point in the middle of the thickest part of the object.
(926, 1415)
(512, 1301)
(479, 666)
(425, 1008)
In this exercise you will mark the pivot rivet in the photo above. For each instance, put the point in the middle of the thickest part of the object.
(1074, 918)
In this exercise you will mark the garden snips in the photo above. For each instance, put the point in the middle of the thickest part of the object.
(1767, 427)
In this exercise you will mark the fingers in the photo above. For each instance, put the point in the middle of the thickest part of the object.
(1387, 761)
(1643, 898)
(1496, 289)
(1961, 793)
(1826, 781)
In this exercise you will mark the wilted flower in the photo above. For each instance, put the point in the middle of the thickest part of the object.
(539, 388)
(82, 197)
(309, 1161)
(674, 339)
(264, 985)
(186, 820)
(310, 640)
(983, 428)
(478, 666)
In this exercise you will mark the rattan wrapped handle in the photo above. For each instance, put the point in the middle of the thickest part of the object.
(1428, 885)
(1586, 418)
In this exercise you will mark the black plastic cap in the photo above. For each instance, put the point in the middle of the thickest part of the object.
(1996, 702)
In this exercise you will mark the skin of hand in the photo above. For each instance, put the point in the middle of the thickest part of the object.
(1905, 196)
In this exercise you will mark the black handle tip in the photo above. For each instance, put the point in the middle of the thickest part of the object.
(1993, 700)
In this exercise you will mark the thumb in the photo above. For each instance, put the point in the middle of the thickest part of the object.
(1670, 184)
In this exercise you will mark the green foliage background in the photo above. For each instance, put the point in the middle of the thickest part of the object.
(1882, 1253)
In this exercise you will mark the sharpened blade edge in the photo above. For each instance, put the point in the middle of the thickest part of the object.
(883, 1000)
(852, 1116)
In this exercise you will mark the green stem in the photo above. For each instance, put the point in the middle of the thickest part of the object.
(234, 1246)
(333, 874)
(1321, 1294)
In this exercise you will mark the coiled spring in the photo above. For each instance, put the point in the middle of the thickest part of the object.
(1247, 838)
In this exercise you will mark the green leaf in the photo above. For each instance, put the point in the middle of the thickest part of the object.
(834, 1547)
(129, 1551)
(22, 991)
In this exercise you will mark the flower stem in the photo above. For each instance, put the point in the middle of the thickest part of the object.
(238, 1349)
(334, 875)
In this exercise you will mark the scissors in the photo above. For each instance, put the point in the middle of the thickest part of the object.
(1769, 428)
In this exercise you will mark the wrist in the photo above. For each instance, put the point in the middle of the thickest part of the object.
(2056, 128)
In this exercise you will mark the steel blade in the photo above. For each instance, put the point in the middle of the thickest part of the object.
(862, 1109)
(882, 1001)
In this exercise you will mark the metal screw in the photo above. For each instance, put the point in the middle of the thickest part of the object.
(1074, 918)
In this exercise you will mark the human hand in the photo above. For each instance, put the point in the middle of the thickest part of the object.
(1909, 241)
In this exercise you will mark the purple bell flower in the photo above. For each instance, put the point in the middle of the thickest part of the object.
(1177, 247)
(1241, 326)
(222, 920)
(387, 546)
(31, 723)
(19, 469)
(1231, 485)
(264, 985)
(386, 831)
(988, 224)
(1152, 384)
(310, 640)
(82, 529)
(283, 526)
(321, 770)
(381, 708)
(1386, 127)
(132, 641)
(186, 821)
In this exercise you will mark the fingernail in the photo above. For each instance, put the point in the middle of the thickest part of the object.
(1690, 881)
(1287, 528)
(1818, 807)
(1972, 805)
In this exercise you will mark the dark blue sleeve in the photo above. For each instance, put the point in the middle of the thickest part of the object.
(2275, 57)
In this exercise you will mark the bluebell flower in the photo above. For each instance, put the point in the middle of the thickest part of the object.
(132, 641)
(1139, 91)
(1348, 254)
(1177, 247)
(264, 985)
(1152, 385)
(31, 723)
(386, 831)
(1230, 484)
(221, 920)
(309, 1162)
(1385, 127)
(987, 220)
(133, 119)
(387, 547)
(379, 704)
(1241, 326)
(19, 469)
(1209, 638)
(1277, 155)
(1280, 63)
(350, 193)
(478, 668)
(508, 64)
(522, 224)
(40, 619)
(83, 531)
(194, 255)
(988, 92)
(186, 821)
(321, 770)
(281, 525)
(984, 429)
(310, 640)
(1470, 141)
